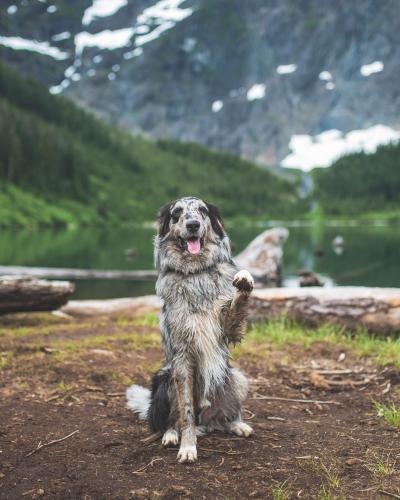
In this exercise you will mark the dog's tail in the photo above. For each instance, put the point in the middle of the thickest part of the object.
(138, 400)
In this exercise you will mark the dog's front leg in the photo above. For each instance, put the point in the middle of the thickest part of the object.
(235, 315)
(183, 378)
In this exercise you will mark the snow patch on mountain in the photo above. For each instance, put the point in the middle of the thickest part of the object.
(106, 39)
(370, 69)
(256, 91)
(164, 14)
(323, 149)
(133, 53)
(286, 69)
(12, 9)
(217, 106)
(57, 89)
(18, 43)
(61, 36)
(164, 10)
(325, 76)
(102, 8)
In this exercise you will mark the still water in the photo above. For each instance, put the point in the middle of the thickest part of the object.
(370, 256)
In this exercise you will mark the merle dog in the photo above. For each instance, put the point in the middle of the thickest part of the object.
(205, 309)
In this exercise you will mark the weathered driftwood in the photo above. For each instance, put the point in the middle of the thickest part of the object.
(136, 305)
(20, 294)
(376, 309)
(75, 274)
(263, 256)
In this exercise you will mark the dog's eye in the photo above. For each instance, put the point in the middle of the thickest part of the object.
(176, 214)
(203, 211)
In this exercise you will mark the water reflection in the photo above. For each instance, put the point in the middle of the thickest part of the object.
(369, 255)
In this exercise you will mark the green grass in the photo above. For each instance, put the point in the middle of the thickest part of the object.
(380, 466)
(331, 475)
(149, 319)
(5, 358)
(281, 492)
(390, 413)
(327, 494)
(383, 351)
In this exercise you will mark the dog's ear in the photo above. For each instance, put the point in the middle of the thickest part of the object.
(216, 220)
(163, 220)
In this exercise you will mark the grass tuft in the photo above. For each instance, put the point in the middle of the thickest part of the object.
(281, 492)
(379, 465)
(390, 413)
(327, 494)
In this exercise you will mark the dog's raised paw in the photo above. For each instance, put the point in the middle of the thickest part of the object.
(170, 438)
(243, 281)
(241, 429)
(187, 454)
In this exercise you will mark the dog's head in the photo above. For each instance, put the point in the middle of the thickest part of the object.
(192, 230)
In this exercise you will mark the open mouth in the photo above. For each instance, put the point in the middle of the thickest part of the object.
(193, 245)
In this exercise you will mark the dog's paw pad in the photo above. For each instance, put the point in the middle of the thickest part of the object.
(241, 429)
(187, 454)
(243, 281)
(170, 438)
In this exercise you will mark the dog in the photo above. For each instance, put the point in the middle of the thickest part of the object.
(205, 301)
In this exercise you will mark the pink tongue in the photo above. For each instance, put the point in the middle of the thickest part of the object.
(193, 246)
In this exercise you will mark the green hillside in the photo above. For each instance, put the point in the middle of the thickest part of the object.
(360, 183)
(61, 165)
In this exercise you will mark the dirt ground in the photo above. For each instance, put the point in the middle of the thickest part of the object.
(64, 378)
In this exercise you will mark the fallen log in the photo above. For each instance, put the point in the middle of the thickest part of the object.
(75, 274)
(375, 309)
(21, 294)
(136, 305)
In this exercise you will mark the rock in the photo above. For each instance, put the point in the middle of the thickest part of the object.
(353, 461)
(263, 256)
(309, 278)
(338, 241)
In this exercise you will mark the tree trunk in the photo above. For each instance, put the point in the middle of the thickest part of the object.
(20, 294)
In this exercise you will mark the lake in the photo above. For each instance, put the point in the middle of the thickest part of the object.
(370, 257)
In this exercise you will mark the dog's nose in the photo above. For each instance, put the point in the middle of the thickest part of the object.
(193, 225)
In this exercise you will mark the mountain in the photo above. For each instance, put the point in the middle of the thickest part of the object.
(61, 165)
(255, 77)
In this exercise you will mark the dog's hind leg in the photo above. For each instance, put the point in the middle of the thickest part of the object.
(239, 428)
(235, 315)
(183, 378)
